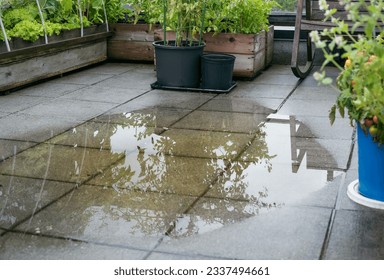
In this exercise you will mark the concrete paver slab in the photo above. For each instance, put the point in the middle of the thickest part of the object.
(79, 109)
(49, 89)
(266, 186)
(157, 117)
(206, 144)
(21, 198)
(132, 80)
(135, 219)
(271, 78)
(254, 91)
(34, 128)
(301, 108)
(15, 103)
(158, 173)
(104, 94)
(222, 121)
(9, 148)
(320, 127)
(18, 246)
(287, 233)
(241, 105)
(83, 78)
(357, 235)
(171, 99)
(56, 162)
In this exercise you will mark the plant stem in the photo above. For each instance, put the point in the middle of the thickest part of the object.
(165, 21)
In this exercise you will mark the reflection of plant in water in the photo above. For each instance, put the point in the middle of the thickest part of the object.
(150, 166)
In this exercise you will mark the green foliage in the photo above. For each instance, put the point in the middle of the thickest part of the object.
(361, 81)
(239, 16)
(21, 17)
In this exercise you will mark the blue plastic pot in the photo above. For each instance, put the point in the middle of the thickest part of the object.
(371, 166)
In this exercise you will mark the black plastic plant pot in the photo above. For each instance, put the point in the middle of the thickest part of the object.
(217, 71)
(178, 66)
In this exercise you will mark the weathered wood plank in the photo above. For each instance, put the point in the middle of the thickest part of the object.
(29, 70)
(131, 50)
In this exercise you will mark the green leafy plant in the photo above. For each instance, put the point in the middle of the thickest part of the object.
(361, 79)
(239, 16)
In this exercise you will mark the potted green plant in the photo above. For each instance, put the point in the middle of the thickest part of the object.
(178, 60)
(239, 28)
(361, 87)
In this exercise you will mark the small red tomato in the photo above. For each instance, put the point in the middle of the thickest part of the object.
(368, 122)
(375, 119)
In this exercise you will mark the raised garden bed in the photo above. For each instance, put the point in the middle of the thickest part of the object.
(40, 61)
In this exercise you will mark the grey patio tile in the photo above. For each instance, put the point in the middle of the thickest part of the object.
(300, 107)
(103, 215)
(255, 91)
(21, 198)
(277, 140)
(357, 235)
(9, 148)
(315, 93)
(156, 172)
(34, 128)
(3, 114)
(62, 163)
(157, 117)
(281, 69)
(264, 185)
(324, 153)
(132, 80)
(171, 99)
(14, 103)
(271, 78)
(111, 68)
(50, 89)
(169, 256)
(18, 246)
(285, 233)
(320, 127)
(61, 107)
(222, 121)
(234, 104)
(109, 136)
(104, 94)
(83, 78)
(206, 144)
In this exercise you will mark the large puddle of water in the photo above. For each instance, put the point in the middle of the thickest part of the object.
(126, 173)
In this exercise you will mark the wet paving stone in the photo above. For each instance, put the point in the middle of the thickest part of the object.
(285, 233)
(238, 105)
(206, 144)
(60, 163)
(159, 173)
(157, 117)
(9, 148)
(222, 121)
(19, 246)
(132, 218)
(277, 185)
(21, 198)
(357, 235)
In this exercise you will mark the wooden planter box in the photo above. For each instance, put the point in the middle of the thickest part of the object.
(30, 64)
(253, 52)
(132, 42)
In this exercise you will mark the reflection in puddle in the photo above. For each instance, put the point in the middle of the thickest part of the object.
(232, 176)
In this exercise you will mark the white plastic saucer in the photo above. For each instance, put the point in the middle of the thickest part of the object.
(353, 194)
